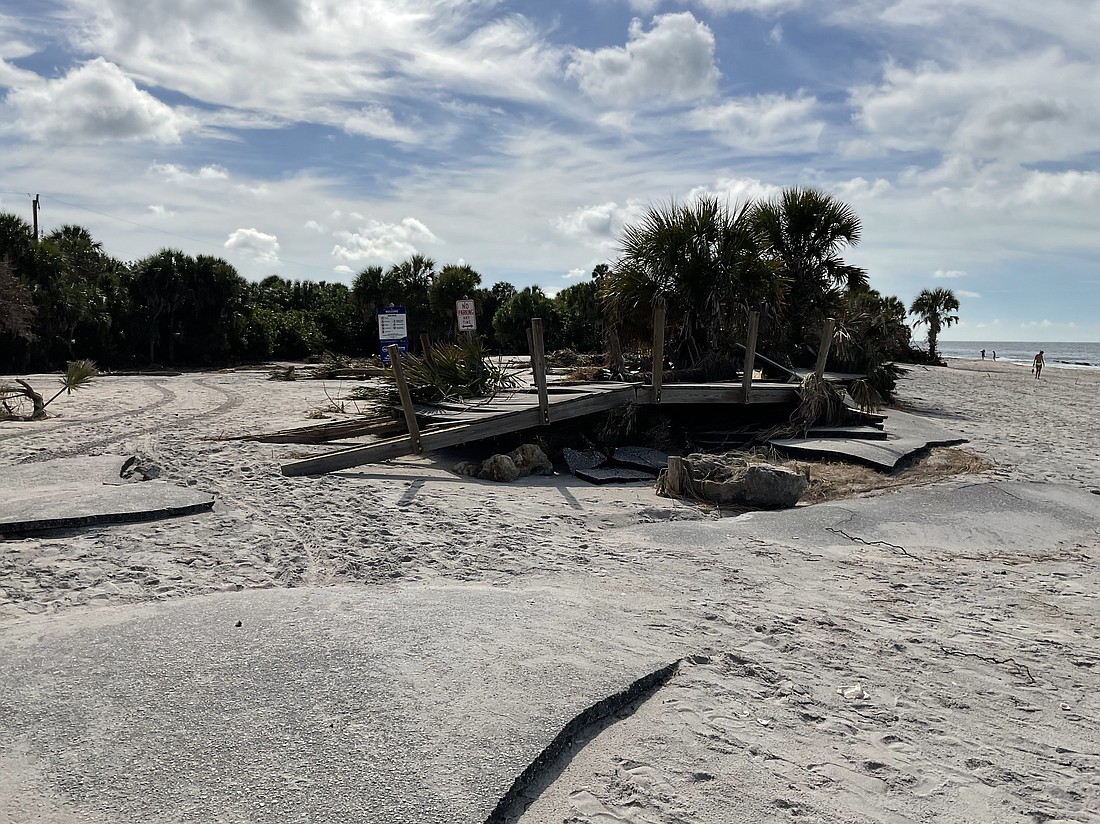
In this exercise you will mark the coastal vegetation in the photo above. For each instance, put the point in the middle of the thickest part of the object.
(64, 298)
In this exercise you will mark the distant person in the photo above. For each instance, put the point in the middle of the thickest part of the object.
(1037, 365)
(983, 354)
(994, 354)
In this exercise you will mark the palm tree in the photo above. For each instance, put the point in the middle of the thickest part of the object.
(936, 307)
(804, 232)
(703, 260)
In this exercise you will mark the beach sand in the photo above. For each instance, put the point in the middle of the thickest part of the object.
(915, 677)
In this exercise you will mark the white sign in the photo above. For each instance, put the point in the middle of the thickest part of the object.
(467, 317)
(392, 324)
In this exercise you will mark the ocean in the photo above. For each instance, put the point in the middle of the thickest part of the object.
(1068, 355)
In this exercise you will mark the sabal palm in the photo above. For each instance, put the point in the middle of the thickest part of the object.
(804, 231)
(702, 259)
(937, 308)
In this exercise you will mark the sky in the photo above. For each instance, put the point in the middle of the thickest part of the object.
(313, 138)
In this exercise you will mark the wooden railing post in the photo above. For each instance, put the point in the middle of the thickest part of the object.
(406, 397)
(538, 361)
(658, 349)
(823, 349)
(750, 354)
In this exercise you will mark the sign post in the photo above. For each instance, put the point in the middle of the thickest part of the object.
(467, 315)
(393, 329)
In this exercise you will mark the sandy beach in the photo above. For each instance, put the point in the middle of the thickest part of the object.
(925, 672)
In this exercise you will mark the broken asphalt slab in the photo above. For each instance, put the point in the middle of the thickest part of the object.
(1001, 520)
(905, 435)
(76, 492)
(344, 704)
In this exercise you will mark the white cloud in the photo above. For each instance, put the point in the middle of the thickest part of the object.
(948, 274)
(1037, 324)
(381, 242)
(759, 6)
(597, 225)
(1023, 108)
(767, 123)
(94, 103)
(577, 274)
(160, 210)
(378, 122)
(672, 62)
(180, 176)
(259, 246)
(963, 293)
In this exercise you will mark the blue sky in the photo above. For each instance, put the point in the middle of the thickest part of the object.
(313, 139)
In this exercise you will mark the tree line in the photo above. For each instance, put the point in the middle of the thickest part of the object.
(709, 263)
(64, 298)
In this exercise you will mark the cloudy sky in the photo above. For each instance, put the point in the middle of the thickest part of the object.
(313, 138)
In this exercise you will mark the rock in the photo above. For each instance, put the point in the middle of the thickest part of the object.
(773, 487)
(732, 482)
(525, 460)
(531, 460)
(498, 468)
(467, 468)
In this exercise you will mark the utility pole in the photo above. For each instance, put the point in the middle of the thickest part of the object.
(35, 207)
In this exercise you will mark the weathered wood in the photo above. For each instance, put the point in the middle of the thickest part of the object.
(615, 362)
(538, 357)
(406, 398)
(658, 349)
(786, 370)
(728, 393)
(823, 348)
(750, 354)
(564, 409)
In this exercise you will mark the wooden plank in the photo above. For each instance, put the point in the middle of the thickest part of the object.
(459, 433)
(406, 397)
(658, 349)
(777, 366)
(538, 356)
(676, 393)
(750, 355)
(823, 348)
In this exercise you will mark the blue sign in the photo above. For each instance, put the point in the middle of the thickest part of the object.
(392, 328)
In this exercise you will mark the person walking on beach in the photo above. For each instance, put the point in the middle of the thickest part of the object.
(994, 354)
(983, 354)
(1037, 365)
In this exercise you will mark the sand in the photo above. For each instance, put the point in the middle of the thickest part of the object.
(915, 677)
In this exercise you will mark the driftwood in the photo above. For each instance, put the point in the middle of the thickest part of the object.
(24, 390)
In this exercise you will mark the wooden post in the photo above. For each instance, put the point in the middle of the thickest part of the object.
(406, 398)
(425, 346)
(823, 349)
(538, 358)
(658, 349)
(615, 361)
(750, 354)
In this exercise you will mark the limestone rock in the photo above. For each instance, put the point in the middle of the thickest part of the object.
(525, 460)
(531, 460)
(499, 468)
(732, 481)
(773, 487)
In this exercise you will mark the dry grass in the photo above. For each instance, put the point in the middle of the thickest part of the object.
(834, 480)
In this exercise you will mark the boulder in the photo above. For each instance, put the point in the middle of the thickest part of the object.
(499, 468)
(732, 481)
(531, 460)
(525, 460)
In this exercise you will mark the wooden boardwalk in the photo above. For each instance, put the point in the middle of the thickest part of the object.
(457, 423)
